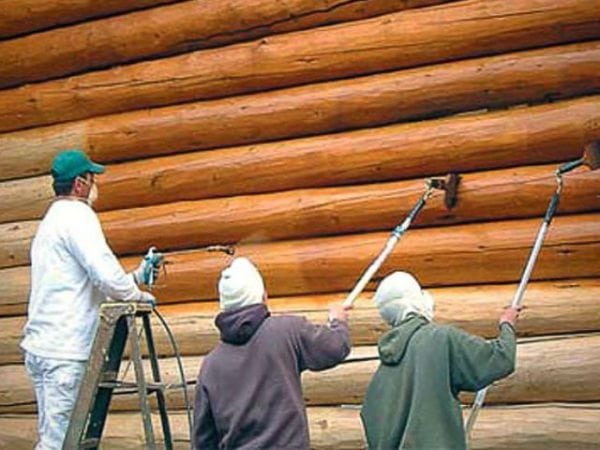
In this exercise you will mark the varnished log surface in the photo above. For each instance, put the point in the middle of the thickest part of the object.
(493, 195)
(475, 253)
(172, 29)
(521, 136)
(26, 16)
(393, 41)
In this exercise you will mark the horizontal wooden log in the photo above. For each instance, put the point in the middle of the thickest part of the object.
(537, 427)
(558, 307)
(555, 370)
(173, 29)
(368, 101)
(25, 16)
(15, 242)
(393, 41)
(477, 253)
(322, 212)
(523, 136)
(481, 253)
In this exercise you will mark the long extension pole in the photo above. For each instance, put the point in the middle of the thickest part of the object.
(397, 233)
(517, 300)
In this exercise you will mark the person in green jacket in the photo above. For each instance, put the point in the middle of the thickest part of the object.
(412, 400)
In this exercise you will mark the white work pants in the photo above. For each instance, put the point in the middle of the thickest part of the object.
(56, 383)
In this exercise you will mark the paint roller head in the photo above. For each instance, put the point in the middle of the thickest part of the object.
(590, 158)
(449, 185)
(437, 183)
(591, 155)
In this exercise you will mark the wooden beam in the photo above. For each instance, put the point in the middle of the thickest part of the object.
(477, 253)
(393, 41)
(26, 16)
(322, 212)
(557, 307)
(554, 370)
(173, 29)
(489, 82)
(535, 427)
(522, 136)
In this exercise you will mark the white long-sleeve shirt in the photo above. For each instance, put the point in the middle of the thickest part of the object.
(72, 271)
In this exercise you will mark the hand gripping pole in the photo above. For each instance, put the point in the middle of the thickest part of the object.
(591, 159)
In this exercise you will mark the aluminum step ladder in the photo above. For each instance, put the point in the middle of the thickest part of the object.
(117, 326)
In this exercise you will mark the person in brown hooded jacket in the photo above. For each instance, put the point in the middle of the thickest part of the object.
(249, 394)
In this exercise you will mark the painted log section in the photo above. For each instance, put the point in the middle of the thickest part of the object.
(173, 29)
(516, 137)
(556, 307)
(477, 253)
(534, 427)
(326, 107)
(493, 195)
(555, 370)
(25, 16)
(393, 41)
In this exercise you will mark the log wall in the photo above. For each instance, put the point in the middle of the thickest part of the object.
(301, 132)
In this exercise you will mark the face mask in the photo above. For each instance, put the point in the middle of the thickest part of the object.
(93, 195)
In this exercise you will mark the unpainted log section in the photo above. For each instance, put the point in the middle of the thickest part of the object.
(543, 427)
(557, 307)
(556, 370)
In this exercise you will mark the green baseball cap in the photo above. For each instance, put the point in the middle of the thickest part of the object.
(69, 164)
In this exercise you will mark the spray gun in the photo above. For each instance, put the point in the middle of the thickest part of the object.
(154, 261)
(449, 185)
(591, 159)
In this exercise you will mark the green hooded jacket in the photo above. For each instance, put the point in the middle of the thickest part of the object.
(412, 400)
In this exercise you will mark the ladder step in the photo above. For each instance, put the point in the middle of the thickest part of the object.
(126, 386)
(89, 443)
(117, 328)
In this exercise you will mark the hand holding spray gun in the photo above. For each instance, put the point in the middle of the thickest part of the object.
(148, 270)
(153, 261)
(147, 273)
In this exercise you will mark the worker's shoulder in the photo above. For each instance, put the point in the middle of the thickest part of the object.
(287, 325)
(68, 209)
(285, 321)
(454, 335)
(439, 331)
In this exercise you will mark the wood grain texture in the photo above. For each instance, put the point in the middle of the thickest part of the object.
(484, 196)
(517, 137)
(393, 41)
(477, 253)
(553, 307)
(558, 370)
(25, 16)
(538, 427)
(173, 29)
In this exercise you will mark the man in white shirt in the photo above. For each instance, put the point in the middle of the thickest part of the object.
(73, 270)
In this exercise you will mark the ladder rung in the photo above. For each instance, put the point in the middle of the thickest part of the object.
(109, 376)
(130, 386)
(89, 443)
